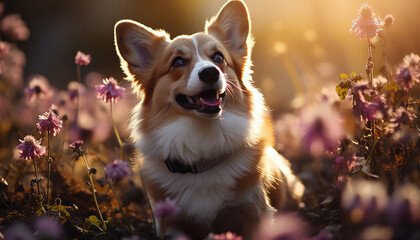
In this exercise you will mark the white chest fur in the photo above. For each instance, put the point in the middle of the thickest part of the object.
(199, 195)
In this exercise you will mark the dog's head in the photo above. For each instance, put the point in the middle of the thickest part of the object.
(200, 75)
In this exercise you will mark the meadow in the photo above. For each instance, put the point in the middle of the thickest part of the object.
(69, 171)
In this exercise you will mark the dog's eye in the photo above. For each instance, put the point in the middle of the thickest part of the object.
(178, 62)
(218, 57)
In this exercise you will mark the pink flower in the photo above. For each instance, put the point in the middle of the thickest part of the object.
(368, 110)
(224, 236)
(73, 90)
(30, 148)
(345, 163)
(117, 170)
(412, 60)
(322, 128)
(166, 208)
(18, 231)
(13, 26)
(285, 226)
(377, 109)
(38, 87)
(82, 59)
(75, 146)
(407, 77)
(401, 116)
(404, 206)
(366, 25)
(109, 91)
(364, 200)
(49, 122)
(379, 81)
(4, 48)
(388, 20)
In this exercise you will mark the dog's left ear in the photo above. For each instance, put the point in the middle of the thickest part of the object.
(232, 27)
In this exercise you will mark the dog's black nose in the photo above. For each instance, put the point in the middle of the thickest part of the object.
(209, 75)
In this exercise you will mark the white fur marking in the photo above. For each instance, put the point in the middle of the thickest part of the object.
(196, 48)
(195, 85)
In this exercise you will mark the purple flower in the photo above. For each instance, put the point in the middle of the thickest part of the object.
(364, 200)
(377, 109)
(73, 90)
(18, 232)
(401, 116)
(38, 88)
(49, 121)
(75, 146)
(404, 206)
(166, 208)
(30, 148)
(322, 128)
(13, 26)
(47, 228)
(366, 25)
(117, 170)
(82, 59)
(285, 226)
(224, 236)
(407, 76)
(109, 91)
(346, 163)
(411, 60)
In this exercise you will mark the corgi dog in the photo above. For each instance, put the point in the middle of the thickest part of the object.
(202, 129)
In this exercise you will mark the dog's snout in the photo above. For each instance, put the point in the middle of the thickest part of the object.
(209, 75)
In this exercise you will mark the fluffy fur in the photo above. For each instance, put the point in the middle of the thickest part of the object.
(250, 177)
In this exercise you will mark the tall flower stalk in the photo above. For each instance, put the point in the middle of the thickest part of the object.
(30, 148)
(80, 59)
(367, 26)
(114, 173)
(110, 92)
(49, 123)
(388, 22)
(76, 147)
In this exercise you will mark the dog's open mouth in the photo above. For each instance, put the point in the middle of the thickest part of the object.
(209, 101)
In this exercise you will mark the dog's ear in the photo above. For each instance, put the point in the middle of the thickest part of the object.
(137, 46)
(232, 27)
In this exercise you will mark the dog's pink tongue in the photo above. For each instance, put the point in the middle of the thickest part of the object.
(210, 99)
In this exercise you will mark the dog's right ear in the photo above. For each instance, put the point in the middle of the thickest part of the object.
(137, 46)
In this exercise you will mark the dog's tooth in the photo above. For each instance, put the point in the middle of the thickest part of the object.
(190, 100)
(217, 95)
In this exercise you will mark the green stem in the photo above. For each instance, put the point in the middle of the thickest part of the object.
(149, 205)
(119, 205)
(370, 77)
(79, 80)
(36, 176)
(94, 193)
(116, 132)
(49, 167)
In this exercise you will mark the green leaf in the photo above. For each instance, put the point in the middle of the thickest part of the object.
(343, 76)
(93, 220)
(343, 88)
(62, 211)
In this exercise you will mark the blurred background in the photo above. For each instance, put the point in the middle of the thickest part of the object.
(301, 45)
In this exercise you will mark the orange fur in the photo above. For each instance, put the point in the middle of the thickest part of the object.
(250, 177)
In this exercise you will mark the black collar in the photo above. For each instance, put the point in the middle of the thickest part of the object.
(176, 166)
